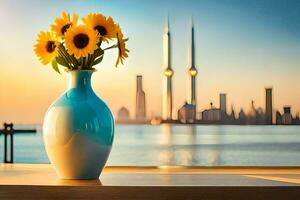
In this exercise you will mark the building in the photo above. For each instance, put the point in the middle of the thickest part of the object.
(223, 107)
(269, 107)
(192, 72)
(242, 117)
(187, 113)
(255, 116)
(286, 118)
(123, 115)
(251, 116)
(296, 120)
(212, 115)
(167, 77)
(231, 118)
(278, 118)
(260, 116)
(140, 108)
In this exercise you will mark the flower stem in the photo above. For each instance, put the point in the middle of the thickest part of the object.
(65, 58)
(111, 47)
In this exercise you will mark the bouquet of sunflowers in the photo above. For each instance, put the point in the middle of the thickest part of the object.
(75, 46)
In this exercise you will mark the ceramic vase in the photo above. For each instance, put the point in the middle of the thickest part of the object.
(78, 130)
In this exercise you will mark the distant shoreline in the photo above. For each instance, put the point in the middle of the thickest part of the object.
(168, 123)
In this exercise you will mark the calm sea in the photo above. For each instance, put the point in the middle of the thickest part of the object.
(203, 145)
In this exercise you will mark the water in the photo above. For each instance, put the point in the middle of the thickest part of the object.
(203, 145)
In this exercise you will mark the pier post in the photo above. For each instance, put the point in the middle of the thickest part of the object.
(8, 131)
(4, 148)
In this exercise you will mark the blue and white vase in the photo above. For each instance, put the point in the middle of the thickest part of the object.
(78, 130)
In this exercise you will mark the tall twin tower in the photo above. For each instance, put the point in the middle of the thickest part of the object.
(167, 104)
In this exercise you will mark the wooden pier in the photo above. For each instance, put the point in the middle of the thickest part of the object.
(8, 131)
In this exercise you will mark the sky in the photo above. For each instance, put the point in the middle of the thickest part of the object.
(242, 46)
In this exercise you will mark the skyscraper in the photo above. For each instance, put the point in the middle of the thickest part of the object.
(269, 106)
(140, 100)
(223, 106)
(167, 77)
(193, 71)
(287, 116)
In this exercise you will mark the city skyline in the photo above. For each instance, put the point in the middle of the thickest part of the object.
(241, 48)
(188, 114)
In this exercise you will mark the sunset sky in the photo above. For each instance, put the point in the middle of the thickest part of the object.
(242, 47)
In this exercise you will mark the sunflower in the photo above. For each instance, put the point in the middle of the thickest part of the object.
(61, 25)
(105, 26)
(81, 41)
(123, 52)
(46, 47)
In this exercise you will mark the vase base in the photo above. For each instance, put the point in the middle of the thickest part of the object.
(86, 176)
(79, 178)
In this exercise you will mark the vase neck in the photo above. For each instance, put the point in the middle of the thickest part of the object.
(80, 79)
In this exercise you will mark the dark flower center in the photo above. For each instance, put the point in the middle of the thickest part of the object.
(101, 29)
(50, 46)
(81, 40)
(65, 28)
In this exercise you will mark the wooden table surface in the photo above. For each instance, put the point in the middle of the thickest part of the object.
(39, 181)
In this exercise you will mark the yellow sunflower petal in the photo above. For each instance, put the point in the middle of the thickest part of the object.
(61, 25)
(46, 47)
(105, 26)
(65, 16)
(75, 19)
(81, 41)
(123, 51)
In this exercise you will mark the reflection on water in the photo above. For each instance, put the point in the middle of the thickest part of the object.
(166, 155)
(208, 146)
(146, 145)
(188, 156)
(211, 156)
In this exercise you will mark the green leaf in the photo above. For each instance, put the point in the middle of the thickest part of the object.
(75, 61)
(91, 60)
(98, 60)
(60, 60)
(98, 52)
(55, 66)
(71, 58)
